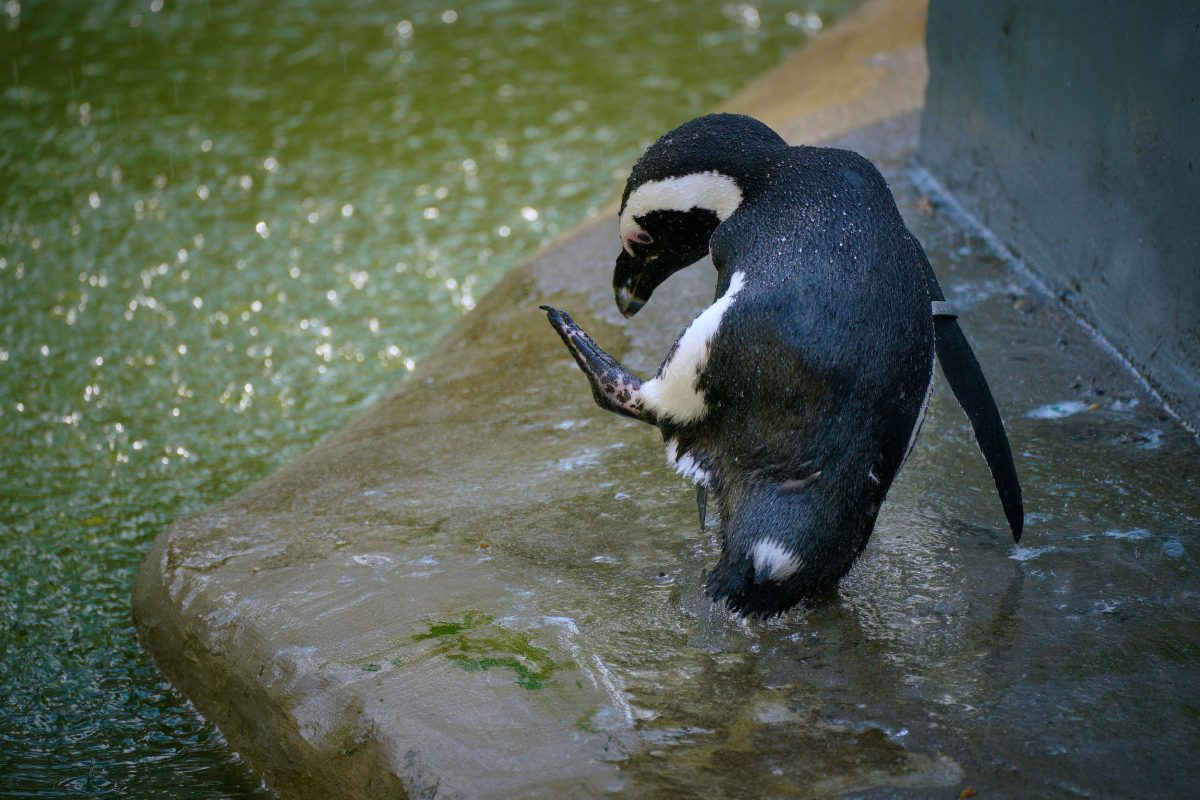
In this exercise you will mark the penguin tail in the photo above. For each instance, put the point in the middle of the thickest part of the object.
(783, 545)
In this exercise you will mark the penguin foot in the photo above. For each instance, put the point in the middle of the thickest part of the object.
(614, 387)
(800, 483)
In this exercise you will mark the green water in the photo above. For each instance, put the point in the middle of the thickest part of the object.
(225, 227)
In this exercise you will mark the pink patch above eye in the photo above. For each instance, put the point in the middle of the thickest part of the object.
(638, 236)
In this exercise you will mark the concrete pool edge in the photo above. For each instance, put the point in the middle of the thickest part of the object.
(868, 68)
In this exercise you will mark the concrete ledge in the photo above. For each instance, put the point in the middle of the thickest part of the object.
(868, 68)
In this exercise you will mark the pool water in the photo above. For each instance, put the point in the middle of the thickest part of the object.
(224, 229)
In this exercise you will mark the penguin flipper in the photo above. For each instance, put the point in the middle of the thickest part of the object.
(702, 504)
(970, 388)
(614, 387)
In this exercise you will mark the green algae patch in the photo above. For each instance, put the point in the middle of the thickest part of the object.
(479, 644)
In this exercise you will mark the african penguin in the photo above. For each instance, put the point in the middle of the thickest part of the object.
(795, 397)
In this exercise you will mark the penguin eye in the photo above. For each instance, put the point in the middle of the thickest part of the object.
(641, 237)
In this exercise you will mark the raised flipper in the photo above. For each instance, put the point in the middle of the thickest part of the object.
(970, 388)
(614, 387)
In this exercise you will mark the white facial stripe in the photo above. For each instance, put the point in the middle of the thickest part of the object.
(712, 190)
(672, 393)
(774, 562)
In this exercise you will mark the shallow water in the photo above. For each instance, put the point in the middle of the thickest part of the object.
(223, 231)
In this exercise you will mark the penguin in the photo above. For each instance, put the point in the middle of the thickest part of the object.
(794, 399)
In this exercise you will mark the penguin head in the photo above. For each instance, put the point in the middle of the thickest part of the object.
(684, 186)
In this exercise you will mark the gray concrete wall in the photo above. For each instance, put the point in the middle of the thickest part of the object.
(1072, 130)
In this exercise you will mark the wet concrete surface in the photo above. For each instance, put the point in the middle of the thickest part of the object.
(487, 587)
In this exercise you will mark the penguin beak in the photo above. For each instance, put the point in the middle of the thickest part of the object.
(626, 282)
(627, 303)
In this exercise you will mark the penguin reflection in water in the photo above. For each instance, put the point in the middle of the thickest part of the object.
(795, 397)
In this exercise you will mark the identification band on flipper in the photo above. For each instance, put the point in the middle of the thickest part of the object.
(943, 309)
